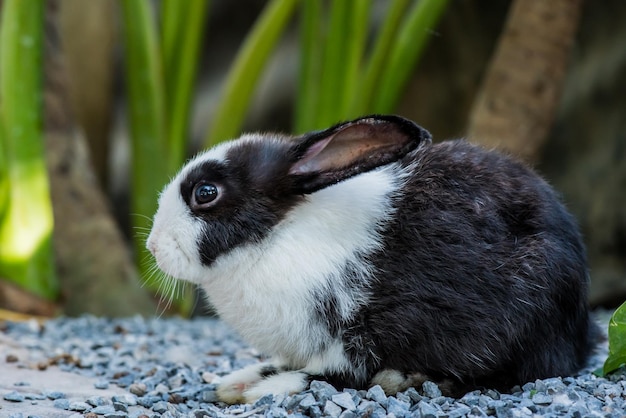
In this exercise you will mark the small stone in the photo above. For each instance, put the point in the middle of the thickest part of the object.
(344, 400)
(160, 407)
(376, 393)
(96, 401)
(11, 358)
(414, 395)
(397, 407)
(264, 401)
(146, 401)
(54, 395)
(101, 384)
(371, 409)
(347, 414)
(103, 409)
(120, 407)
(542, 399)
(129, 400)
(138, 389)
(61, 403)
(427, 410)
(79, 406)
(332, 409)
(459, 411)
(118, 415)
(34, 396)
(308, 401)
(323, 391)
(14, 397)
(431, 389)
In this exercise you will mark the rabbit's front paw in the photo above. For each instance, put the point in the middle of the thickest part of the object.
(232, 386)
(289, 382)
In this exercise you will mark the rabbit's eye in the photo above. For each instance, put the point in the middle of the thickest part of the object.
(203, 194)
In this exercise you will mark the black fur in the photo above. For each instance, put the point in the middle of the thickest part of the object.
(482, 279)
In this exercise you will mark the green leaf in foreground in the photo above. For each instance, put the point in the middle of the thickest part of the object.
(617, 340)
(26, 222)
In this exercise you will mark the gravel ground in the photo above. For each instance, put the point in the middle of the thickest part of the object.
(170, 367)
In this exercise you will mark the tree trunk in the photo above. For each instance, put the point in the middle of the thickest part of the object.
(96, 271)
(515, 108)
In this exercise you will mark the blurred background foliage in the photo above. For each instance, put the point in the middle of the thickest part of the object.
(101, 103)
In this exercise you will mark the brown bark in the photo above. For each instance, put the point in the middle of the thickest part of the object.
(516, 106)
(96, 271)
(88, 38)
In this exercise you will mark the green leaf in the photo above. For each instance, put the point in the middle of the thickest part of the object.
(407, 48)
(617, 340)
(147, 115)
(305, 113)
(362, 100)
(246, 70)
(26, 225)
(183, 25)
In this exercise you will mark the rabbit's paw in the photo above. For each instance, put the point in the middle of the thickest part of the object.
(232, 386)
(394, 381)
(289, 382)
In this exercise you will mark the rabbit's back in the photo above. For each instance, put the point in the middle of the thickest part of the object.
(483, 275)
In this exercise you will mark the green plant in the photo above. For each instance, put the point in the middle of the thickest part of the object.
(617, 341)
(246, 70)
(338, 77)
(160, 74)
(26, 219)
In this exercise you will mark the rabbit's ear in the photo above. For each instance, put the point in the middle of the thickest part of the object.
(351, 148)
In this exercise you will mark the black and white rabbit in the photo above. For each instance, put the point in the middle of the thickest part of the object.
(364, 254)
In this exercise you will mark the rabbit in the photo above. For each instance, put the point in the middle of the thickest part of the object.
(366, 255)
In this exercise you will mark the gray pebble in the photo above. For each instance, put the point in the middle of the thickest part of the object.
(431, 389)
(127, 399)
(344, 400)
(376, 393)
(160, 407)
(101, 384)
(116, 415)
(61, 403)
(138, 389)
(34, 397)
(79, 406)
(397, 407)
(427, 410)
(542, 399)
(308, 401)
(103, 409)
(459, 411)
(54, 395)
(332, 409)
(14, 397)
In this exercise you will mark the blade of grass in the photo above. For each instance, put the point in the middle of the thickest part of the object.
(145, 86)
(305, 113)
(408, 47)
(181, 74)
(25, 232)
(333, 64)
(355, 46)
(362, 100)
(246, 70)
(173, 14)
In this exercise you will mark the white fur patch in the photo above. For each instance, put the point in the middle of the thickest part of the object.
(284, 383)
(267, 290)
(231, 387)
